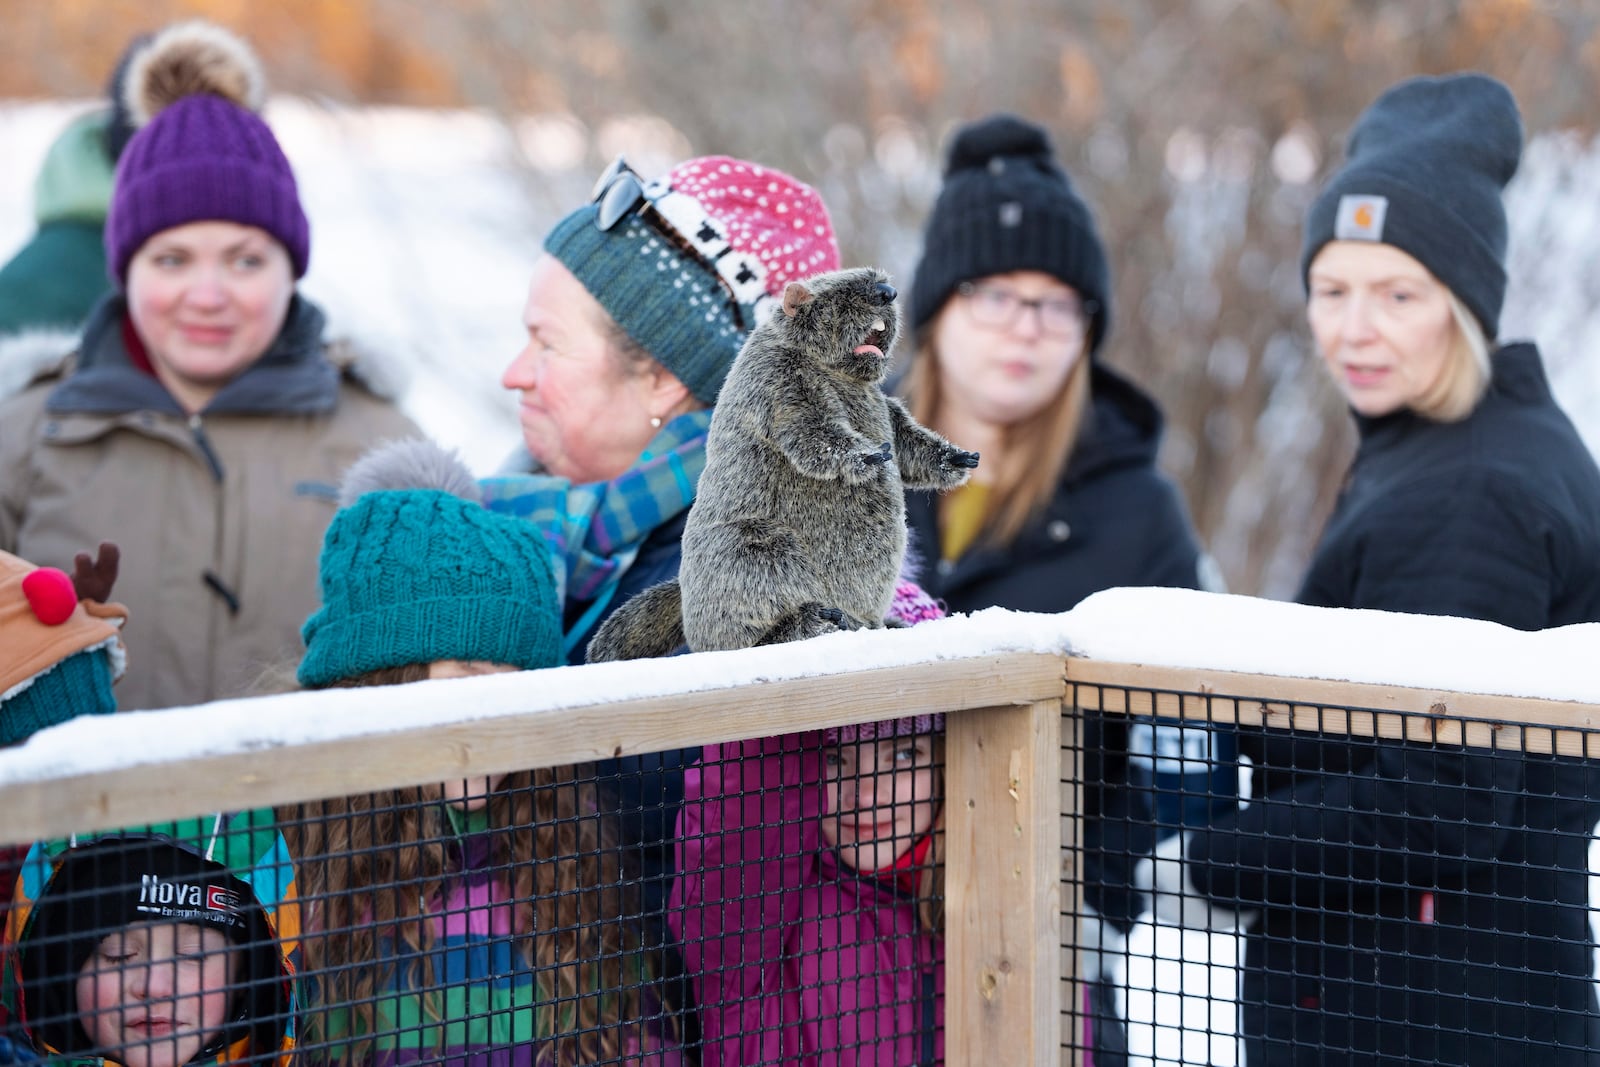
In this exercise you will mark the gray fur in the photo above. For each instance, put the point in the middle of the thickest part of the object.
(798, 526)
(415, 463)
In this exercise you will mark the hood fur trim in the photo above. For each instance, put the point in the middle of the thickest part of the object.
(32, 355)
(384, 376)
(189, 59)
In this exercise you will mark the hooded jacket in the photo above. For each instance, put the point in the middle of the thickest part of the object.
(488, 988)
(219, 515)
(56, 279)
(1114, 520)
(46, 940)
(795, 958)
(1430, 903)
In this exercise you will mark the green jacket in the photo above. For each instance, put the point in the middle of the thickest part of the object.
(59, 275)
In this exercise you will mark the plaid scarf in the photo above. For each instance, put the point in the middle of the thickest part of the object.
(595, 530)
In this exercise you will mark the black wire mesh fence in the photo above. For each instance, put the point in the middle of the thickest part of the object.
(770, 901)
(1407, 880)
(1396, 886)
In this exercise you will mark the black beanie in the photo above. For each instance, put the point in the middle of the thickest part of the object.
(117, 880)
(120, 126)
(1007, 205)
(1425, 168)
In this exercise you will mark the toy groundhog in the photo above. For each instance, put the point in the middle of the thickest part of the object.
(798, 527)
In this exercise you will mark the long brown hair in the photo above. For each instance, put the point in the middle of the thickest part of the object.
(1036, 450)
(368, 865)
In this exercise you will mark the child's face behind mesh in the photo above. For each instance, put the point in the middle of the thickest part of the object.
(153, 993)
(881, 797)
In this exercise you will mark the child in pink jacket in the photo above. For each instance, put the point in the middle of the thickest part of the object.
(809, 898)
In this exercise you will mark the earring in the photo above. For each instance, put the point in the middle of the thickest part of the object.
(655, 420)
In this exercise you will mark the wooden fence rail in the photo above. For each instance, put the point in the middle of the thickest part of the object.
(1012, 786)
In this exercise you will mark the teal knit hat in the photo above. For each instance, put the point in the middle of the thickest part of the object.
(708, 261)
(415, 570)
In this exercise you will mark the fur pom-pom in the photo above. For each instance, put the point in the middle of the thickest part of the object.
(188, 59)
(414, 463)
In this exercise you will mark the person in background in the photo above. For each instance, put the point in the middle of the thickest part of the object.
(478, 921)
(635, 312)
(52, 283)
(810, 892)
(202, 417)
(1011, 306)
(1407, 902)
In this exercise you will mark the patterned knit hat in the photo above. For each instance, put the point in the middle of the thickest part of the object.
(1007, 205)
(1425, 168)
(697, 259)
(416, 570)
(201, 153)
(910, 605)
(62, 654)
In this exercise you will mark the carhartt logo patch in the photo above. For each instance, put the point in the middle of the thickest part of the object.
(1011, 214)
(1361, 218)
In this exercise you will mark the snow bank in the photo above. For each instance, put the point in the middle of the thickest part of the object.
(1160, 627)
(1182, 628)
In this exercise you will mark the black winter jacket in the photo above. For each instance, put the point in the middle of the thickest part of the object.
(1114, 521)
(1429, 903)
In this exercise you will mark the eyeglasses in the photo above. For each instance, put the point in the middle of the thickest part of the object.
(620, 192)
(998, 308)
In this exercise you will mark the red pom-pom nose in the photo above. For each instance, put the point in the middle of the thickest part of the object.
(50, 594)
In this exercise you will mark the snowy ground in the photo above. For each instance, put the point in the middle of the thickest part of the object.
(426, 224)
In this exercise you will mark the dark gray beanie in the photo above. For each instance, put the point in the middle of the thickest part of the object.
(1007, 205)
(1425, 168)
(120, 126)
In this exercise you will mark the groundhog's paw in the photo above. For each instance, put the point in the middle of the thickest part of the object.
(825, 620)
(955, 466)
(959, 459)
(865, 465)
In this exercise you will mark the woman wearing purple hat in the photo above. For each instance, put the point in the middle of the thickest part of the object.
(202, 417)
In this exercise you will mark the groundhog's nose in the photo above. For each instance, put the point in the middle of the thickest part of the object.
(885, 293)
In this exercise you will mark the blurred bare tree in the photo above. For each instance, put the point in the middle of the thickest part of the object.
(1199, 130)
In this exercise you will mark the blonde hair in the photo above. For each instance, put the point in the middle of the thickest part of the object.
(1465, 375)
(1036, 449)
(368, 866)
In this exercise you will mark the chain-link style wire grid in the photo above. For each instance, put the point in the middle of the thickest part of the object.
(1392, 888)
(775, 900)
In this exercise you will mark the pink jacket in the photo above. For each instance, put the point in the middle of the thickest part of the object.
(794, 958)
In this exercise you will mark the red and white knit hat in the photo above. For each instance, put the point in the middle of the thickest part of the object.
(700, 259)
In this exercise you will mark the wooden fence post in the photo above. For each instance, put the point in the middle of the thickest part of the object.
(1003, 958)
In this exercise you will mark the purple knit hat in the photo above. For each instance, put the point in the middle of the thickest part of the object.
(202, 152)
(910, 605)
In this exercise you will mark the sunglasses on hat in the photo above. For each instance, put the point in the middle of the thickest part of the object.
(620, 192)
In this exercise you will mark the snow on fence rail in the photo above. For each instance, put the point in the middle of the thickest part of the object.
(1008, 682)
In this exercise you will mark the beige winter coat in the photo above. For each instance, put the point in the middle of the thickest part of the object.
(219, 516)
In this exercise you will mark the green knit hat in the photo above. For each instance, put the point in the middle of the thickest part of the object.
(690, 277)
(416, 570)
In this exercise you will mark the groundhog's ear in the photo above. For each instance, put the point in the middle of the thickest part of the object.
(795, 294)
